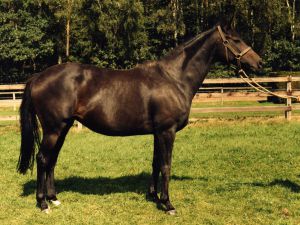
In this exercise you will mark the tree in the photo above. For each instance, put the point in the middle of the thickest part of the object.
(23, 38)
(35, 34)
(64, 11)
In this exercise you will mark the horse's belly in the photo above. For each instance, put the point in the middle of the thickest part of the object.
(118, 124)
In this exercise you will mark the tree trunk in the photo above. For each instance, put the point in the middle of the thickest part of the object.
(174, 5)
(69, 12)
(68, 38)
(197, 16)
(251, 22)
(294, 20)
(205, 13)
(291, 17)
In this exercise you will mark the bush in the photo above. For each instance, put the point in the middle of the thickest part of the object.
(219, 70)
(284, 55)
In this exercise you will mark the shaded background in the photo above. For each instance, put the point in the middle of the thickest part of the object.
(35, 34)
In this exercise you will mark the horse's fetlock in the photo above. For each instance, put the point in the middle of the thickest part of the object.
(164, 198)
(40, 197)
(51, 197)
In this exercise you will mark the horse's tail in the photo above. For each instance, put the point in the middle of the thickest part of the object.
(30, 136)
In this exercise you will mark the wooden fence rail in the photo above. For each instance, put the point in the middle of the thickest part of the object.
(242, 109)
(213, 93)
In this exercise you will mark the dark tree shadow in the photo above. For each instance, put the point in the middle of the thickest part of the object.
(101, 185)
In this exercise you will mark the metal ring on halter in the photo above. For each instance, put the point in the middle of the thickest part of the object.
(225, 42)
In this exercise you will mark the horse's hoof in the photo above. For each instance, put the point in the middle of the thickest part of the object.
(171, 212)
(55, 202)
(44, 207)
(47, 211)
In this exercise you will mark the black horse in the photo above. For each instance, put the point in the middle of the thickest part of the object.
(152, 98)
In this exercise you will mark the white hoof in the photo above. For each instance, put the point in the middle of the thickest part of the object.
(171, 212)
(55, 203)
(47, 211)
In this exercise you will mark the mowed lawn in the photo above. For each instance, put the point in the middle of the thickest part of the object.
(243, 171)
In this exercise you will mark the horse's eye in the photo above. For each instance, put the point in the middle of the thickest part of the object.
(236, 40)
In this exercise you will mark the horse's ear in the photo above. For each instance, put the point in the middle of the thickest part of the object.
(226, 24)
(227, 18)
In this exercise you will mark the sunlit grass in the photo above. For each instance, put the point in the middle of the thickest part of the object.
(224, 172)
(238, 115)
(8, 111)
(231, 104)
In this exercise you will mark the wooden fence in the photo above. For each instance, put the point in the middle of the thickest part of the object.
(215, 92)
(226, 94)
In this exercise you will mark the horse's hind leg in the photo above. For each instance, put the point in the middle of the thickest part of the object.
(51, 193)
(46, 160)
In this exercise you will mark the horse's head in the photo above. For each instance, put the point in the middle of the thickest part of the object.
(232, 49)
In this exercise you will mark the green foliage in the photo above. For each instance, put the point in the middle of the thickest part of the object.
(122, 33)
(23, 35)
(111, 34)
(219, 70)
(284, 55)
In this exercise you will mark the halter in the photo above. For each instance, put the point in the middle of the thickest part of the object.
(242, 73)
(227, 45)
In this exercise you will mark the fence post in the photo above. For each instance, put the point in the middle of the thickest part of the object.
(288, 113)
(222, 92)
(14, 100)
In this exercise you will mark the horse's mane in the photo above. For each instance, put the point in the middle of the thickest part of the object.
(180, 48)
(198, 39)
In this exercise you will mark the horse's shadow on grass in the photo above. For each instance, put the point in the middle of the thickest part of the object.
(292, 186)
(284, 183)
(101, 185)
(139, 184)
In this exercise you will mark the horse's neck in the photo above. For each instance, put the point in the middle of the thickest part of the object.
(191, 65)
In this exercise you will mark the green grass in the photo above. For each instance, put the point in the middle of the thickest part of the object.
(8, 111)
(223, 172)
(232, 104)
(238, 115)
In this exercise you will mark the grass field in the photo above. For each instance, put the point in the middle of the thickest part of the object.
(223, 172)
(238, 115)
(8, 111)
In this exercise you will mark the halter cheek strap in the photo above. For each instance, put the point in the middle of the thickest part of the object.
(227, 45)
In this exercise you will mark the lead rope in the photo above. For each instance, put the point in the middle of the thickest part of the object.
(260, 88)
(242, 73)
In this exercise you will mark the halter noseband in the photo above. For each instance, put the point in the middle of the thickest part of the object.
(227, 45)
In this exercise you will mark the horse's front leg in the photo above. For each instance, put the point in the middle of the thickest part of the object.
(51, 193)
(165, 141)
(152, 193)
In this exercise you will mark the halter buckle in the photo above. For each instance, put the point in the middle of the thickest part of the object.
(225, 42)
